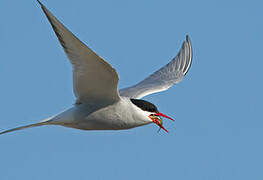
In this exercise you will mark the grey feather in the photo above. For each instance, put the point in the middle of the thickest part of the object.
(165, 77)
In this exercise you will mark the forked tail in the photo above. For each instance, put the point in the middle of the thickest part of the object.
(44, 122)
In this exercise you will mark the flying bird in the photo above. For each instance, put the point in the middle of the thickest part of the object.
(99, 105)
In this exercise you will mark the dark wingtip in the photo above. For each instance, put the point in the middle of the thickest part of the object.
(190, 53)
(187, 37)
(40, 3)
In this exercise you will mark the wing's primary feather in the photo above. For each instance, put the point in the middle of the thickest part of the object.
(165, 77)
(94, 79)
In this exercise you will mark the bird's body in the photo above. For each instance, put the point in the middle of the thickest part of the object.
(119, 115)
(99, 104)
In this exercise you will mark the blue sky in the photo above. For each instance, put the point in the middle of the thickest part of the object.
(218, 130)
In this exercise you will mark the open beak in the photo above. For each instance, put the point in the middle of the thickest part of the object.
(156, 118)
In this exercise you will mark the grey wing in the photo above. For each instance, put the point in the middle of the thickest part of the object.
(94, 79)
(165, 77)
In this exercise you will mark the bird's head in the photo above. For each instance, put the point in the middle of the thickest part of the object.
(154, 115)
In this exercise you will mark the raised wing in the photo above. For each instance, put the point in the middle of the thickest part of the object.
(94, 79)
(165, 77)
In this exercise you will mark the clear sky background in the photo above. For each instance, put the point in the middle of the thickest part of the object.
(218, 106)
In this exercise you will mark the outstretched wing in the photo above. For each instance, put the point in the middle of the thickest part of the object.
(165, 77)
(94, 79)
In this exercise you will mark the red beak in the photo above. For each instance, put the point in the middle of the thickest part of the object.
(157, 121)
(161, 126)
(163, 115)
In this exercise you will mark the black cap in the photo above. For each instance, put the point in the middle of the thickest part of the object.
(145, 105)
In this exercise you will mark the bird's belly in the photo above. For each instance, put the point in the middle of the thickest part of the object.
(98, 121)
(101, 124)
(113, 117)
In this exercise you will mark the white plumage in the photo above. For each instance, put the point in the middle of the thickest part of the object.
(99, 104)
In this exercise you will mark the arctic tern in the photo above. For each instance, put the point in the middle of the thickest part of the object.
(99, 105)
